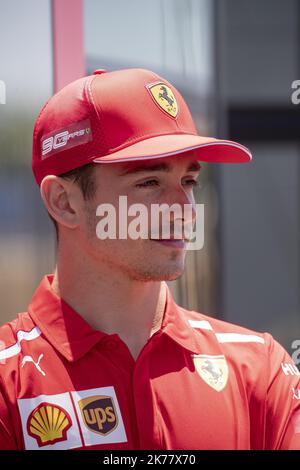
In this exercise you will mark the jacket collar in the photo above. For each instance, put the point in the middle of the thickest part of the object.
(73, 337)
(64, 328)
(176, 325)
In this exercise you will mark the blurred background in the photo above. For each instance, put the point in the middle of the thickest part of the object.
(234, 61)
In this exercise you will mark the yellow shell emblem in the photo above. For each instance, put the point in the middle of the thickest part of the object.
(48, 424)
(164, 97)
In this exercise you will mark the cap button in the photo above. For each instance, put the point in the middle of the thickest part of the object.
(99, 71)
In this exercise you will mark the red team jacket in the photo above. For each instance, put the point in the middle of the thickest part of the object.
(198, 383)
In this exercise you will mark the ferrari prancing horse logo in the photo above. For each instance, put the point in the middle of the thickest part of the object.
(212, 369)
(164, 97)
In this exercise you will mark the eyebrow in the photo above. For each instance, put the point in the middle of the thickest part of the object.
(194, 166)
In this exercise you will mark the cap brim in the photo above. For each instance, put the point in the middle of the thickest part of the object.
(207, 149)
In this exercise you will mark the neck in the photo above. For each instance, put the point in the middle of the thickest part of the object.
(111, 302)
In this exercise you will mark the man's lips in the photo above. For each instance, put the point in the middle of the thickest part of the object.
(171, 242)
(176, 237)
(170, 239)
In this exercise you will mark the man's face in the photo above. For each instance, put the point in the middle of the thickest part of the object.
(159, 181)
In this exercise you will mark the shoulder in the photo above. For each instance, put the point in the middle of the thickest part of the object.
(255, 356)
(10, 331)
(233, 338)
(219, 326)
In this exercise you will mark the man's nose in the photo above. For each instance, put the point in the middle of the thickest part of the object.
(185, 200)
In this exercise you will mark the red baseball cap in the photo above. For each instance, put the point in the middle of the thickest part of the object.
(124, 115)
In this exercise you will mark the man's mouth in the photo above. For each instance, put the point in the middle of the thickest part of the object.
(171, 242)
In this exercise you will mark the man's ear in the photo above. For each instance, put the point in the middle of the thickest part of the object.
(61, 198)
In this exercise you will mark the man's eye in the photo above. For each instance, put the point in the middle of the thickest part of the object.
(144, 184)
(191, 182)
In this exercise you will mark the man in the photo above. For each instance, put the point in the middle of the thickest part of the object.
(104, 358)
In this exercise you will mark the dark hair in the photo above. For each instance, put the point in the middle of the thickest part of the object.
(84, 177)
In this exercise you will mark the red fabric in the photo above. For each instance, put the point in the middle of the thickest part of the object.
(160, 401)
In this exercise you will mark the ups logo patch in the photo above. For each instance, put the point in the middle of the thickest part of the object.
(99, 414)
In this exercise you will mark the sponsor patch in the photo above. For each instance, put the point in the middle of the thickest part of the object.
(99, 416)
(68, 137)
(30, 360)
(212, 369)
(48, 424)
(164, 98)
(289, 368)
(72, 419)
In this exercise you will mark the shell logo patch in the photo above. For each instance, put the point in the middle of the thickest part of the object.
(99, 414)
(48, 424)
(212, 369)
(164, 98)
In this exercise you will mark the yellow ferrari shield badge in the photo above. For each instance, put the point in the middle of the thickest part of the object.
(212, 369)
(164, 97)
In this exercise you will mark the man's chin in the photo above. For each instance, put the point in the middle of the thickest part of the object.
(173, 276)
(159, 275)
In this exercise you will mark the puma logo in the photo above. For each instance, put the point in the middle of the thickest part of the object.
(37, 364)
